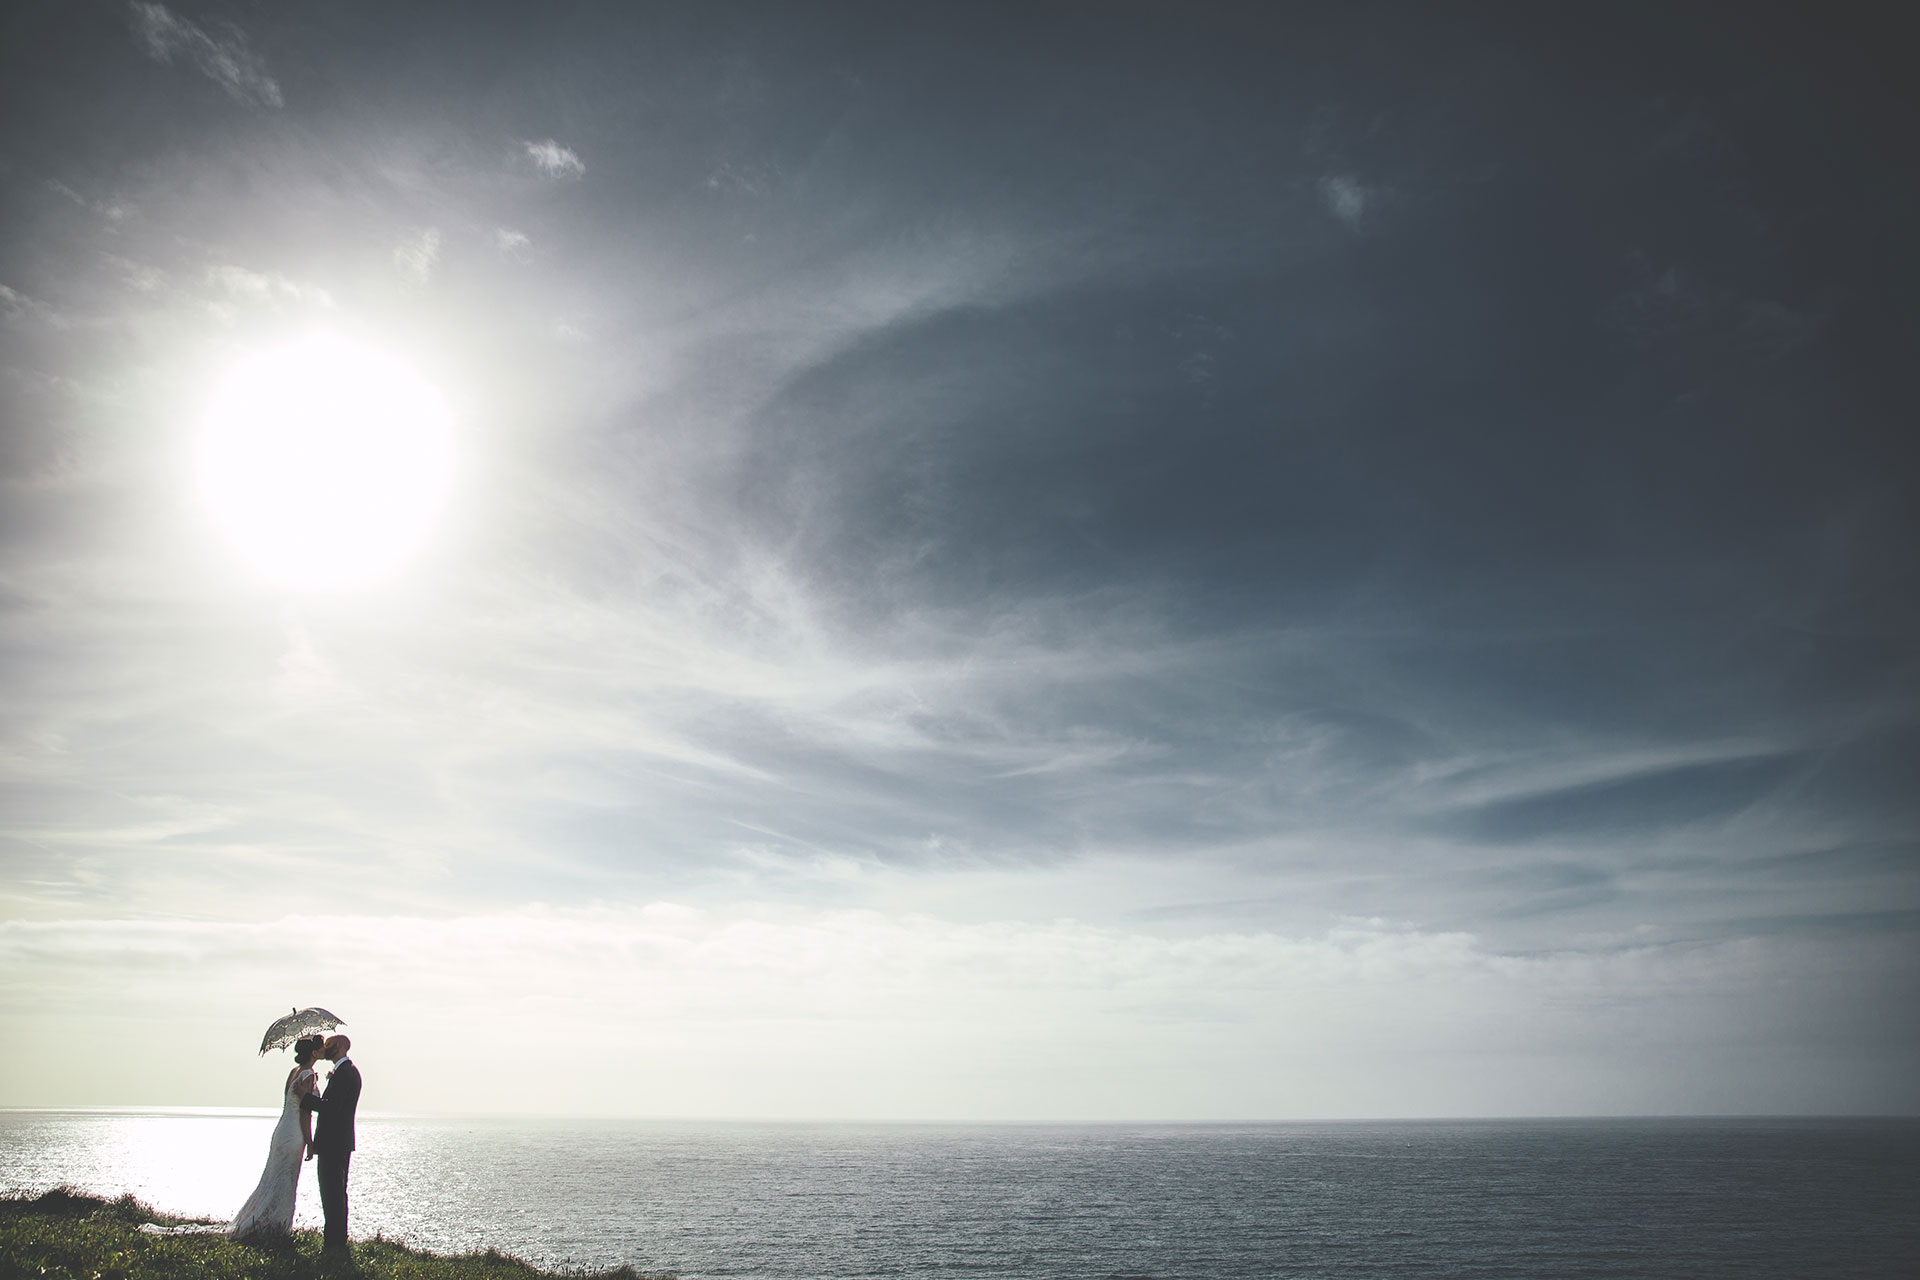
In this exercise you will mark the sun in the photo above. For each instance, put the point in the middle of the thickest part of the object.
(325, 463)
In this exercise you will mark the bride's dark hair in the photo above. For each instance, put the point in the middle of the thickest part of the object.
(305, 1051)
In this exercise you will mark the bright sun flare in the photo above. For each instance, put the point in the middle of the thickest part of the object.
(325, 462)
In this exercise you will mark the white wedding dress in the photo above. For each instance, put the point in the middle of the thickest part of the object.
(269, 1210)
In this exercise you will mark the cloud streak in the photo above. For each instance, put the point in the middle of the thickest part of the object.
(227, 59)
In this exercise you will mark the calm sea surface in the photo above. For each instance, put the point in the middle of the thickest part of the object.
(1642, 1198)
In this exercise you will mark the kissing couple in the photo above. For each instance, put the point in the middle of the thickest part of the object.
(268, 1212)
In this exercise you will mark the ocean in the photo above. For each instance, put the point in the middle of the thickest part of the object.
(1748, 1198)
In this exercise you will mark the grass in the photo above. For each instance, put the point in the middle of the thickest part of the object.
(69, 1235)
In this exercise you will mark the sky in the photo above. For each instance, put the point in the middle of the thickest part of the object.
(1053, 561)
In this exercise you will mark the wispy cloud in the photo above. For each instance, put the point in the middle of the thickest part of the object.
(555, 160)
(1345, 198)
(15, 303)
(226, 59)
(245, 285)
(418, 254)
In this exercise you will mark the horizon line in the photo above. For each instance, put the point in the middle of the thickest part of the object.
(254, 1113)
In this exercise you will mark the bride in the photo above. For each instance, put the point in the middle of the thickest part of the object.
(269, 1210)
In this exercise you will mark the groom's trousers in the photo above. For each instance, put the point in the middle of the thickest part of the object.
(333, 1195)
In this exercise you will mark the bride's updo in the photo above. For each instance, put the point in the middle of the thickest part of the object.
(305, 1051)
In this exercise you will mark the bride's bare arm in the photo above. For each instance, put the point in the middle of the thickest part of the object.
(304, 1088)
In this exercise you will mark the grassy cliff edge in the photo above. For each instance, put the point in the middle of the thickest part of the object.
(68, 1235)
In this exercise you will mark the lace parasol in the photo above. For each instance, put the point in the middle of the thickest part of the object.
(301, 1022)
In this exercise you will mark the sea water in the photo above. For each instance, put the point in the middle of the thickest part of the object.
(1525, 1198)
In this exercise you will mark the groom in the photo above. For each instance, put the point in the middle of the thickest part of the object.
(333, 1137)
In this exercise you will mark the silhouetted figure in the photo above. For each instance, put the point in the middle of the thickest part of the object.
(333, 1137)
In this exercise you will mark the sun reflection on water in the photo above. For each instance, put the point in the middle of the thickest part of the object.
(199, 1164)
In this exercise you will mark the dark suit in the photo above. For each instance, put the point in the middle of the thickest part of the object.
(333, 1146)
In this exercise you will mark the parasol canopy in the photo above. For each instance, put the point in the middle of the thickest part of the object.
(301, 1022)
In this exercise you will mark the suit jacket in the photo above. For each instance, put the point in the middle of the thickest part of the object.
(333, 1125)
